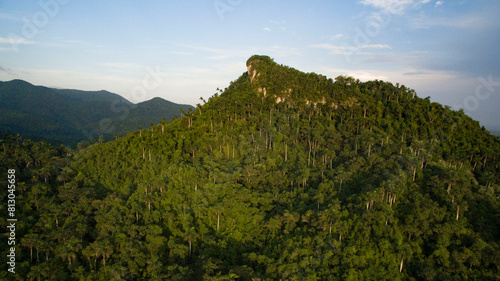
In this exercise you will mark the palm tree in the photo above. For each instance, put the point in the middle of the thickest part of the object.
(331, 214)
(163, 122)
(68, 250)
(30, 241)
(88, 252)
(93, 250)
(45, 172)
(350, 103)
(190, 236)
(65, 175)
(38, 271)
(104, 248)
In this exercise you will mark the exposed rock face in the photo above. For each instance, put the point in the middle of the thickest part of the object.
(252, 72)
(262, 90)
(315, 103)
(252, 65)
(257, 65)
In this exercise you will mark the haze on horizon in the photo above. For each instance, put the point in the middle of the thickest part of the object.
(184, 50)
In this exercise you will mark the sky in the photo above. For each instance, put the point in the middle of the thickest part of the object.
(184, 50)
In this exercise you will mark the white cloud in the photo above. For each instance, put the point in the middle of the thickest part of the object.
(15, 41)
(348, 50)
(243, 53)
(218, 57)
(375, 46)
(473, 21)
(467, 21)
(333, 37)
(121, 68)
(7, 71)
(426, 82)
(215, 53)
(62, 78)
(367, 75)
(120, 65)
(439, 3)
(4, 16)
(394, 6)
(382, 4)
(278, 22)
(446, 87)
(278, 51)
(183, 53)
(7, 49)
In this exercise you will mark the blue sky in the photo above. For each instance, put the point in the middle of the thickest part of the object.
(184, 50)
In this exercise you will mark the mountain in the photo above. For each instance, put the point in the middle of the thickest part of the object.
(33, 110)
(91, 96)
(154, 109)
(284, 175)
(64, 116)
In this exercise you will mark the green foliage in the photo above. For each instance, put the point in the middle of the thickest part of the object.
(332, 181)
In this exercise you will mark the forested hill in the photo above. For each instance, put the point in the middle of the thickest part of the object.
(285, 175)
(64, 116)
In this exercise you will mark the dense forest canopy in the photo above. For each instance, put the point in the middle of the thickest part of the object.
(284, 175)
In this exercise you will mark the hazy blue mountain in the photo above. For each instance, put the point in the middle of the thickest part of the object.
(67, 116)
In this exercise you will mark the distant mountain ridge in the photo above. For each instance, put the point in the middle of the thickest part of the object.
(86, 96)
(68, 116)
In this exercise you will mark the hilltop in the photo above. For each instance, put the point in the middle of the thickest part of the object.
(285, 175)
(66, 116)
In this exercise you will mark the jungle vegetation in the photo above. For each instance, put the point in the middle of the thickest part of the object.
(283, 175)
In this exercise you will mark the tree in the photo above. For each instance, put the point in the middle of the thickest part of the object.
(38, 271)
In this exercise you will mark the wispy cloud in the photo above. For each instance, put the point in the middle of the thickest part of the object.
(333, 37)
(222, 54)
(278, 22)
(276, 25)
(345, 49)
(8, 71)
(7, 49)
(416, 73)
(218, 57)
(394, 6)
(439, 3)
(4, 16)
(467, 21)
(183, 53)
(422, 80)
(214, 53)
(279, 51)
(15, 41)
(10, 43)
(120, 65)
(121, 68)
(472, 21)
